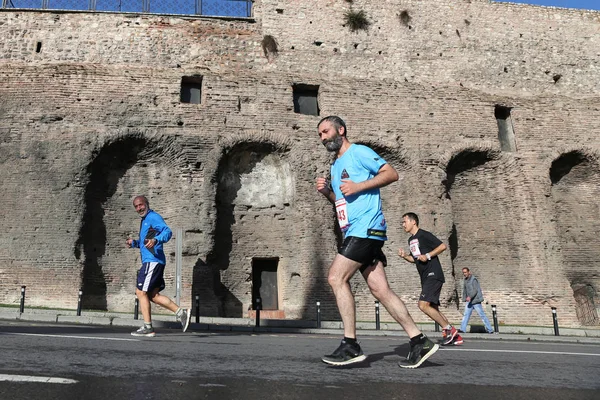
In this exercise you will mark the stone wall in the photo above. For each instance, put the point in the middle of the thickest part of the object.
(91, 116)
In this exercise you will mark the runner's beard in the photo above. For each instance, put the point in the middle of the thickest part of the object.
(334, 144)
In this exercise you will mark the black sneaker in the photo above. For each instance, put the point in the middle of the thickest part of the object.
(419, 353)
(345, 354)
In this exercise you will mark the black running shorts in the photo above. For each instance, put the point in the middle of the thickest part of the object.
(362, 250)
(430, 292)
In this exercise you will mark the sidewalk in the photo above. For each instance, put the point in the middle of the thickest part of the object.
(215, 324)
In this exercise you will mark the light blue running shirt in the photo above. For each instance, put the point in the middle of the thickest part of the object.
(359, 215)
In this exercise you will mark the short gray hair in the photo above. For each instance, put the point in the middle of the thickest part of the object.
(336, 121)
(143, 198)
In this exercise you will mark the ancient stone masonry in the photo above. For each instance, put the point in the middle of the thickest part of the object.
(489, 111)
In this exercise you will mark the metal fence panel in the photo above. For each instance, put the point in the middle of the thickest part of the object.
(67, 4)
(222, 8)
(120, 5)
(173, 6)
(24, 4)
(226, 8)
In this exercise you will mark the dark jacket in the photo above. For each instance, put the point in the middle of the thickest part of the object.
(472, 289)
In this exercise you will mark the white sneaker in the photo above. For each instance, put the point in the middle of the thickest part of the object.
(143, 331)
(184, 318)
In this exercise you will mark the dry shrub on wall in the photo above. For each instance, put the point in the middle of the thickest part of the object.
(404, 17)
(269, 46)
(356, 20)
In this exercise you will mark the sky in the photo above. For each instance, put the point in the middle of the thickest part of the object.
(582, 4)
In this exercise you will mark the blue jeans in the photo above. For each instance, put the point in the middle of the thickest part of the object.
(468, 310)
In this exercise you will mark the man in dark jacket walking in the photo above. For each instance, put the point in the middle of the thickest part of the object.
(473, 297)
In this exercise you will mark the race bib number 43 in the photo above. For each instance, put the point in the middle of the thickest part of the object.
(414, 248)
(342, 213)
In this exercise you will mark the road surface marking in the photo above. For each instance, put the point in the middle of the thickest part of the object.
(527, 351)
(68, 336)
(28, 378)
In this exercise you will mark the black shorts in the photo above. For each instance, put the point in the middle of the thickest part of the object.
(362, 250)
(430, 292)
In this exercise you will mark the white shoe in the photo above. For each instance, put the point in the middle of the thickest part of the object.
(143, 331)
(184, 318)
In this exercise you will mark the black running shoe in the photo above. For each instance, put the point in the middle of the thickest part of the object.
(345, 354)
(419, 353)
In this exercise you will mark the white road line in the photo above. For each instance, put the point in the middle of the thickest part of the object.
(68, 336)
(39, 379)
(526, 351)
(212, 385)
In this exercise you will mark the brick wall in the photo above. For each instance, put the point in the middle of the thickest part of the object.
(94, 117)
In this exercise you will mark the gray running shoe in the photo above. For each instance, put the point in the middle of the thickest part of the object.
(419, 353)
(184, 318)
(143, 331)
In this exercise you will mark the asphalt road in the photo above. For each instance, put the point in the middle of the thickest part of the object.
(94, 362)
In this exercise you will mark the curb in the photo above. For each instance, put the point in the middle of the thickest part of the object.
(216, 324)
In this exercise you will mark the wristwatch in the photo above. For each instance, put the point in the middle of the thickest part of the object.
(428, 256)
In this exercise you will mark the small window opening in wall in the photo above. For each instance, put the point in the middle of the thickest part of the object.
(38, 47)
(506, 133)
(305, 99)
(191, 89)
(264, 283)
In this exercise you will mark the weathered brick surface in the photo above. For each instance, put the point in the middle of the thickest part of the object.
(94, 118)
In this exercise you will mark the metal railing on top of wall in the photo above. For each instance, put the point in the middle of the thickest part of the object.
(221, 8)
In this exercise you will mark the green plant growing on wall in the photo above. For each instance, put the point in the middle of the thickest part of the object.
(356, 20)
(269, 46)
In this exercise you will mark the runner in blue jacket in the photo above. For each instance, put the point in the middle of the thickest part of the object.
(153, 233)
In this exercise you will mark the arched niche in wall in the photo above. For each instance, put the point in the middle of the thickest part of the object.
(255, 189)
(480, 186)
(575, 190)
(103, 174)
(122, 168)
